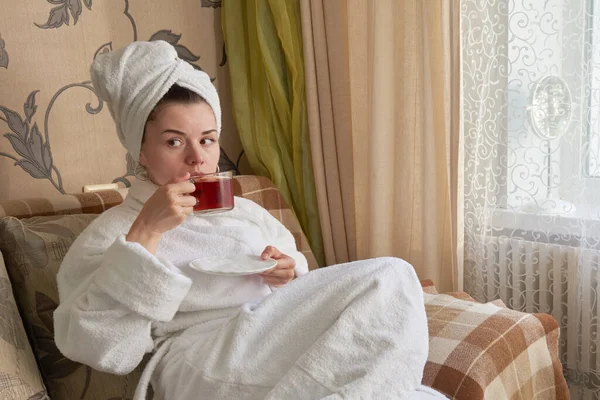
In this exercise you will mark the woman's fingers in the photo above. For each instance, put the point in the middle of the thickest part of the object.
(280, 275)
(271, 252)
(179, 193)
(180, 188)
(283, 272)
(284, 262)
(187, 201)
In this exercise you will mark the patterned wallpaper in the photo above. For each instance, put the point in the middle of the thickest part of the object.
(56, 134)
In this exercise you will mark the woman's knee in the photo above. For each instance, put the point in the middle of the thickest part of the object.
(389, 269)
(393, 268)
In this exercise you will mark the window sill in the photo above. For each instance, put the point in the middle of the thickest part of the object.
(566, 228)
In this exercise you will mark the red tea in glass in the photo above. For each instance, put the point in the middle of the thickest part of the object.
(214, 192)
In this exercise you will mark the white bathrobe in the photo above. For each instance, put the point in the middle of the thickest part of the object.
(350, 331)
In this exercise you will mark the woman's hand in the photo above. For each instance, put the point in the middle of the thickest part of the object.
(283, 272)
(164, 210)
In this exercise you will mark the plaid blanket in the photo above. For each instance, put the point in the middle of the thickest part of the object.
(486, 351)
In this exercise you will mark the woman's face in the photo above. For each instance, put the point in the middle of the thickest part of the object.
(180, 139)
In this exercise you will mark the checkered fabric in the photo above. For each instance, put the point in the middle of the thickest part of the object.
(262, 191)
(486, 351)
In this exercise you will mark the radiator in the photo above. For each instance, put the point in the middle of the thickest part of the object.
(540, 277)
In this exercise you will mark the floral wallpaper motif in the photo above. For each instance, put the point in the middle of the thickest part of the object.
(3, 54)
(211, 3)
(60, 15)
(27, 141)
(29, 133)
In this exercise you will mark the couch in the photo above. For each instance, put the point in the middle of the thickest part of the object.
(476, 350)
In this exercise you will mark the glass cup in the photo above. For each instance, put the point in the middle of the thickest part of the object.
(214, 192)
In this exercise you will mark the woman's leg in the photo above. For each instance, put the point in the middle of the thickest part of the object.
(356, 330)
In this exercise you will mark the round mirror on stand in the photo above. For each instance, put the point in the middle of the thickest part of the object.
(549, 116)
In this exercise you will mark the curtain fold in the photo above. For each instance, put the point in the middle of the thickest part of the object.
(383, 109)
(326, 50)
(263, 41)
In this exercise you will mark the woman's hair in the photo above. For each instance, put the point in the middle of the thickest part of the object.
(176, 94)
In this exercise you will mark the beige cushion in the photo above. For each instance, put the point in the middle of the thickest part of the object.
(33, 249)
(19, 375)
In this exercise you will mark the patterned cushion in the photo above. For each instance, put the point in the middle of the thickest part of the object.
(34, 248)
(487, 351)
(19, 375)
(428, 286)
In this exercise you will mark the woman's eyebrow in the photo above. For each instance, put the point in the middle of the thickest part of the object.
(183, 133)
(173, 131)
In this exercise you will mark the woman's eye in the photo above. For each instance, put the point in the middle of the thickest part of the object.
(207, 141)
(175, 142)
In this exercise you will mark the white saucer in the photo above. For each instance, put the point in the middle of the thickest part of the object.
(238, 265)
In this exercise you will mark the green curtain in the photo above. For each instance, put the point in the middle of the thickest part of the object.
(263, 42)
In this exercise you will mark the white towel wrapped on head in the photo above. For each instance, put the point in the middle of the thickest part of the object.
(133, 79)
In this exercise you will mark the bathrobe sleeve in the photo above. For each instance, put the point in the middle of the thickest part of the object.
(110, 293)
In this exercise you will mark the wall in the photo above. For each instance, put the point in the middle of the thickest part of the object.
(56, 134)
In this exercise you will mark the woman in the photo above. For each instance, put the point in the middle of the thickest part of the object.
(350, 331)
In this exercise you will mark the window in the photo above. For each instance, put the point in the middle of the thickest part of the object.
(561, 39)
(518, 245)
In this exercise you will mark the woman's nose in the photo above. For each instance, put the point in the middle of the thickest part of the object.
(194, 155)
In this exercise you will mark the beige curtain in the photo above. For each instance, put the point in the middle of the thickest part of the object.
(325, 35)
(383, 92)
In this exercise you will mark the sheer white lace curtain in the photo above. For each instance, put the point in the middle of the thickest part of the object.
(531, 117)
